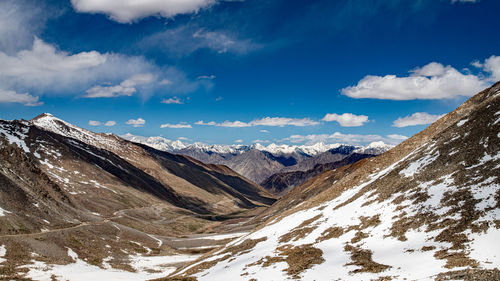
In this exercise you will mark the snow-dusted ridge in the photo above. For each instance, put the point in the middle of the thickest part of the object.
(164, 144)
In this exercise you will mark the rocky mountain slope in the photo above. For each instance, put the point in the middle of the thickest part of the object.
(427, 209)
(257, 162)
(283, 182)
(108, 200)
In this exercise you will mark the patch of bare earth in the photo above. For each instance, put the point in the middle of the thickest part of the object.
(470, 275)
(300, 231)
(363, 259)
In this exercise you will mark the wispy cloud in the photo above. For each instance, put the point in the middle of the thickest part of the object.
(346, 119)
(187, 39)
(136, 122)
(267, 121)
(464, 1)
(94, 123)
(125, 88)
(261, 141)
(174, 100)
(110, 123)
(210, 77)
(238, 141)
(417, 118)
(176, 126)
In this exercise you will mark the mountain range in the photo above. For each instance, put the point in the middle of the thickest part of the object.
(257, 162)
(427, 209)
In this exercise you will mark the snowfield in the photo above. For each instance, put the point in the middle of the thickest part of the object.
(147, 268)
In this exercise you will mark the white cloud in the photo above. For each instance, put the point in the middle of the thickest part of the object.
(432, 81)
(417, 118)
(234, 124)
(264, 131)
(337, 137)
(126, 11)
(136, 122)
(174, 100)
(176, 126)
(218, 98)
(267, 121)
(238, 141)
(397, 137)
(346, 119)
(110, 123)
(44, 69)
(490, 65)
(125, 88)
(7, 96)
(282, 121)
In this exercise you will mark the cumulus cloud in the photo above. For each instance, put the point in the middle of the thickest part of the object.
(417, 118)
(126, 11)
(397, 137)
(234, 124)
(267, 121)
(109, 123)
(176, 126)
(174, 100)
(490, 65)
(346, 119)
(337, 137)
(44, 69)
(125, 88)
(432, 81)
(7, 96)
(136, 122)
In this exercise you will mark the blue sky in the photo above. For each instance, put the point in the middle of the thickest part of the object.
(244, 71)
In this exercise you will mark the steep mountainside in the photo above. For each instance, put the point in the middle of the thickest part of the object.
(107, 199)
(281, 183)
(427, 209)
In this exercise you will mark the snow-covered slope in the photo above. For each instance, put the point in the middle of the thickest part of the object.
(425, 210)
